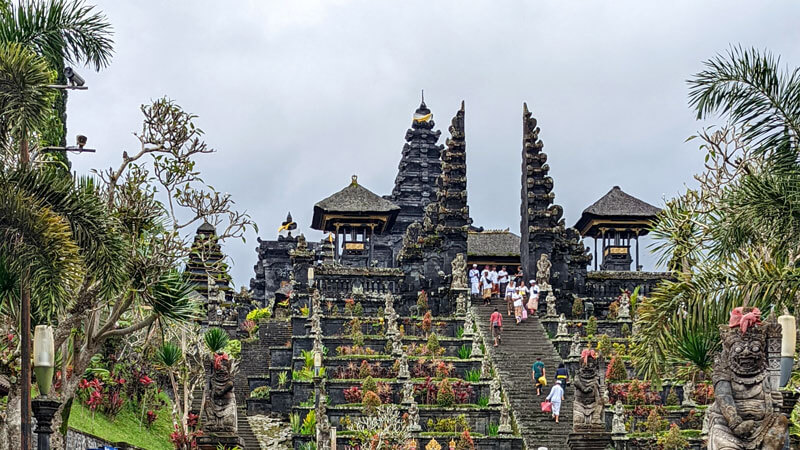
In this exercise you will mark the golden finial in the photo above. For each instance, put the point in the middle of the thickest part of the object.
(354, 180)
(433, 445)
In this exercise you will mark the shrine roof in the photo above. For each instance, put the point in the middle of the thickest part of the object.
(355, 201)
(617, 208)
(492, 243)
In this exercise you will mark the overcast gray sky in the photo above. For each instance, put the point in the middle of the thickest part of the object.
(298, 95)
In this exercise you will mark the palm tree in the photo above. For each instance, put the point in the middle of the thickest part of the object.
(61, 31)
(24, 96)
(740, 245)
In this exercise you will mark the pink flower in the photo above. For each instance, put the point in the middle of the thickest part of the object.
(145, 380)
(218, 358)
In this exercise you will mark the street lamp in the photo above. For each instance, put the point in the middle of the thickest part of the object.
(788, 346)
(44, 408)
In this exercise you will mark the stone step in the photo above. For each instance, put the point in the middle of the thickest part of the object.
(513, 358)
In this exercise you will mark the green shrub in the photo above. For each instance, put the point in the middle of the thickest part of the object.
(625, 330)
(672, 398)
(654, 423)
(358, 310)
(422, 302)
(261, 392)
(604, 345)
(450, 425)
(309, 424)
(358, 339)
(494, 429)
(483, 401)
(259, 314)
(591, 326)
(673, 439)
(282, 379)
(577, 307)
(472, 375)
(371, 402)
(616, 370)
(433, 344)
(459, 332)
(216, 339)
(445, 397)
(234, 348)
(369, 385)
(294, 423)
(464, 351)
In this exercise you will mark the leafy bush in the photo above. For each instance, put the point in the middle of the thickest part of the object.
(309, 424)
(483, 402)
(422, 302)
(604, 345)
(259, 314)
(369, 385)
(577, 307)
(294, 423)
(672, 398)
(450, 424)
(282, 378)
(465, 442)
(673, 439)
(358, 310)
(304, 311)
(261, 392)
(427, 322)
(472, 375)
(364, 370)
(591, 326)
(655, 423)
(433, 344)
(625, 330)
(234, 348)
(216, 339)
(352, 395)
(494, 429)
(464, 352)
(462, 391)
(613, 310)
(445, 397)
(249, 327)
(371, 402)
(459, 332)
(616, 370)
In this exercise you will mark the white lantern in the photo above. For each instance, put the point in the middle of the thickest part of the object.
(44, 357)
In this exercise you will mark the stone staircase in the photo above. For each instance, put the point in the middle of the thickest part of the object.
(513, 360)
(246, 436)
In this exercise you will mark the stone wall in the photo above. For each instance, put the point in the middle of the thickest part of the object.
(254, 360)
(77, 440)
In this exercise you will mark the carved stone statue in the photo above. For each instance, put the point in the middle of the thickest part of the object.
(408, 393)
(476, 347)
(688, 391)
(397, 345)
(562, 326)
(624, 311)
(743, 415)
(461, 304)
(551, 305)
(505, 420)
(587, 412)
(618, 422)
(413, 233)
(459, 272)
(494, 392)
(413, 416)
(402, 372)
(323, 424)
(219, 414)
(486, 369)
(575, 347)
(543, 266)
(469, 325)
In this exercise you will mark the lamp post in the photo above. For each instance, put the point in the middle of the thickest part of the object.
(44, 408)
(788, 347)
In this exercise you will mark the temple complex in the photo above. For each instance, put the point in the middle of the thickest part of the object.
(375, 319)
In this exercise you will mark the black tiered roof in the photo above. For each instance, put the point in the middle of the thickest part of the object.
(354, 203)
(617, 209)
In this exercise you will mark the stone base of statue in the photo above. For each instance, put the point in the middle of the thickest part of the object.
(213, 441)
(590, 440)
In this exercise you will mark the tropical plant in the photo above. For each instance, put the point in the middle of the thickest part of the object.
(445, 396)
(464, 351)
(294, 423)
(472, 375)
(216, 339)
(673, 439)
(735, 240)
(493, 429)
(259, 314)
(60, 31)
(309, 423)
(261, 392)
(483, 401)
(282, 378)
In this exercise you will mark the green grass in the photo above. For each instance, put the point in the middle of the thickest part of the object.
(125, 427)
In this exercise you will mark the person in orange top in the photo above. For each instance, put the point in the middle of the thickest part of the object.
(496, 320)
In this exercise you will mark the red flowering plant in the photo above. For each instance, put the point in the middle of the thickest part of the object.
(152, 416)
(352, 394)
(462, 391)
(184, 441)
(425, 393)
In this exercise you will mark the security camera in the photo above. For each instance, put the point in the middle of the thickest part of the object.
(81, 140)
(73, 78)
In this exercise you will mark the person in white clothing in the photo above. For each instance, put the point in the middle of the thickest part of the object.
(474, 280)
(533, 299)
(510, 289)
(502, 278)
(493, 276)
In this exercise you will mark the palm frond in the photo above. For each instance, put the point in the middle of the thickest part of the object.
(24, 97)
(749, 88)
(172, 298)
(168, 355)
(216, 339)
(60, 30)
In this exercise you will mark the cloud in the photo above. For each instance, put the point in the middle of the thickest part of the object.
(297, 96)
